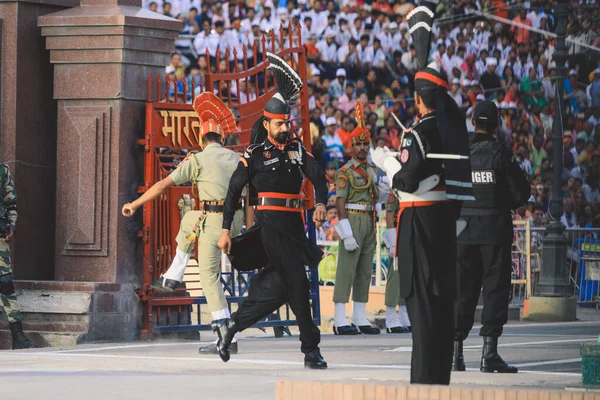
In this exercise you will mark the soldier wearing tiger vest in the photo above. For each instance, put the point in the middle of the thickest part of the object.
(210, 172)
(484, 247)
(356, 192)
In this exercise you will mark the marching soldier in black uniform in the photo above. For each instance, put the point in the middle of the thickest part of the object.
(431, 180)
(484, 247)
(277, 242)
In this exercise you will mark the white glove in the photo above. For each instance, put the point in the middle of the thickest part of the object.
(345, 233)
(379, 155)
(389, 238)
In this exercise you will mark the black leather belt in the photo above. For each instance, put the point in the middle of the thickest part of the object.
(288, 203)
(217, 206)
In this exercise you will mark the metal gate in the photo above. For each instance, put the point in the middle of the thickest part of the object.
(172, 129)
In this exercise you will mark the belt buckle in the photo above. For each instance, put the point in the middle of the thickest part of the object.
(292, 203)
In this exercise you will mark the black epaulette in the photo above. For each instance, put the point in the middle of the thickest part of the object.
(251, 148)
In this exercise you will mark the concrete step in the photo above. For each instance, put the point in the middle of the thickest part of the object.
(44, 338)
(68, 313)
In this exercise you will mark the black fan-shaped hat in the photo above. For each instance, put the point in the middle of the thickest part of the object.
(420, 21)
(288, 81)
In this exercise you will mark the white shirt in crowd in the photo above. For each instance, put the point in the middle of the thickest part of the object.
(569, 221)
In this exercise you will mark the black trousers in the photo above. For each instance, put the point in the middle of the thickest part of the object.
(432, 320)
(489, 265)
(283, 280)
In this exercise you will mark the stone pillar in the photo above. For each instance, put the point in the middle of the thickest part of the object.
(102, 53)
(28, 132)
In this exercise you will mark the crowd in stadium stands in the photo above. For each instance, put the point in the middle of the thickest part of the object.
(361, 50)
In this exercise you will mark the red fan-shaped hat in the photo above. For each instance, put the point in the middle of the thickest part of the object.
(360, 133)
(215, 116)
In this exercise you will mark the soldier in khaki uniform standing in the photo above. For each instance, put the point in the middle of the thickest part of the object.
(356, 192)
(210, 172)
(8, 225)
(394, 322)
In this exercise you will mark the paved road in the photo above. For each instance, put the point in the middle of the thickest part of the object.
(547, 354)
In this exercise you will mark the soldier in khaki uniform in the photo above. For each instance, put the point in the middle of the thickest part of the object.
(394, 322)
(8, 225)
(210, 172)
(356, 192)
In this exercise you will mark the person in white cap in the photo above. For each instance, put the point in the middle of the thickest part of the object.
(455, 92)
(333, 144)
(338, 86)
(489, 80)
(328, 52)
(387, 36)
(475, 87)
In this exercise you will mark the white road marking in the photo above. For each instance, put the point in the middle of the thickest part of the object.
(254, 361)
(549, 362)
(133, 346)
(542, 336)
(533, 324)
(479, 346)
(542, 324)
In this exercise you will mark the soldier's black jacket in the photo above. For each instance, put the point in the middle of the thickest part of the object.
(499, 185)
(415, 167)
(426, 237)
(269, 169)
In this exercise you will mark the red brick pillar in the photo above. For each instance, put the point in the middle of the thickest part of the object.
(28, 132)
(102, 53)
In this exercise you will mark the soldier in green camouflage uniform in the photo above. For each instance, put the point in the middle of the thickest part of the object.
(8, 224)
(356, 193)
(394, 323)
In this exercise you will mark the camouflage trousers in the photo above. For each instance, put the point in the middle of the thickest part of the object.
(8, 303)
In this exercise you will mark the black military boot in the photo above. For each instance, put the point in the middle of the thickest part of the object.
(491, 360)
(163, 284)
(367, 329)
(226, 330)
(346, 330)
(458, 362)
(314, 360)
(398, 329)
(19, 340)
(212, 348)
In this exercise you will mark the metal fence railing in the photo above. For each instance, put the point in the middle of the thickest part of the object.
(583, 257)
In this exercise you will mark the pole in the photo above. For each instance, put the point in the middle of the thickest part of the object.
(554, 277)
(528, 28)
